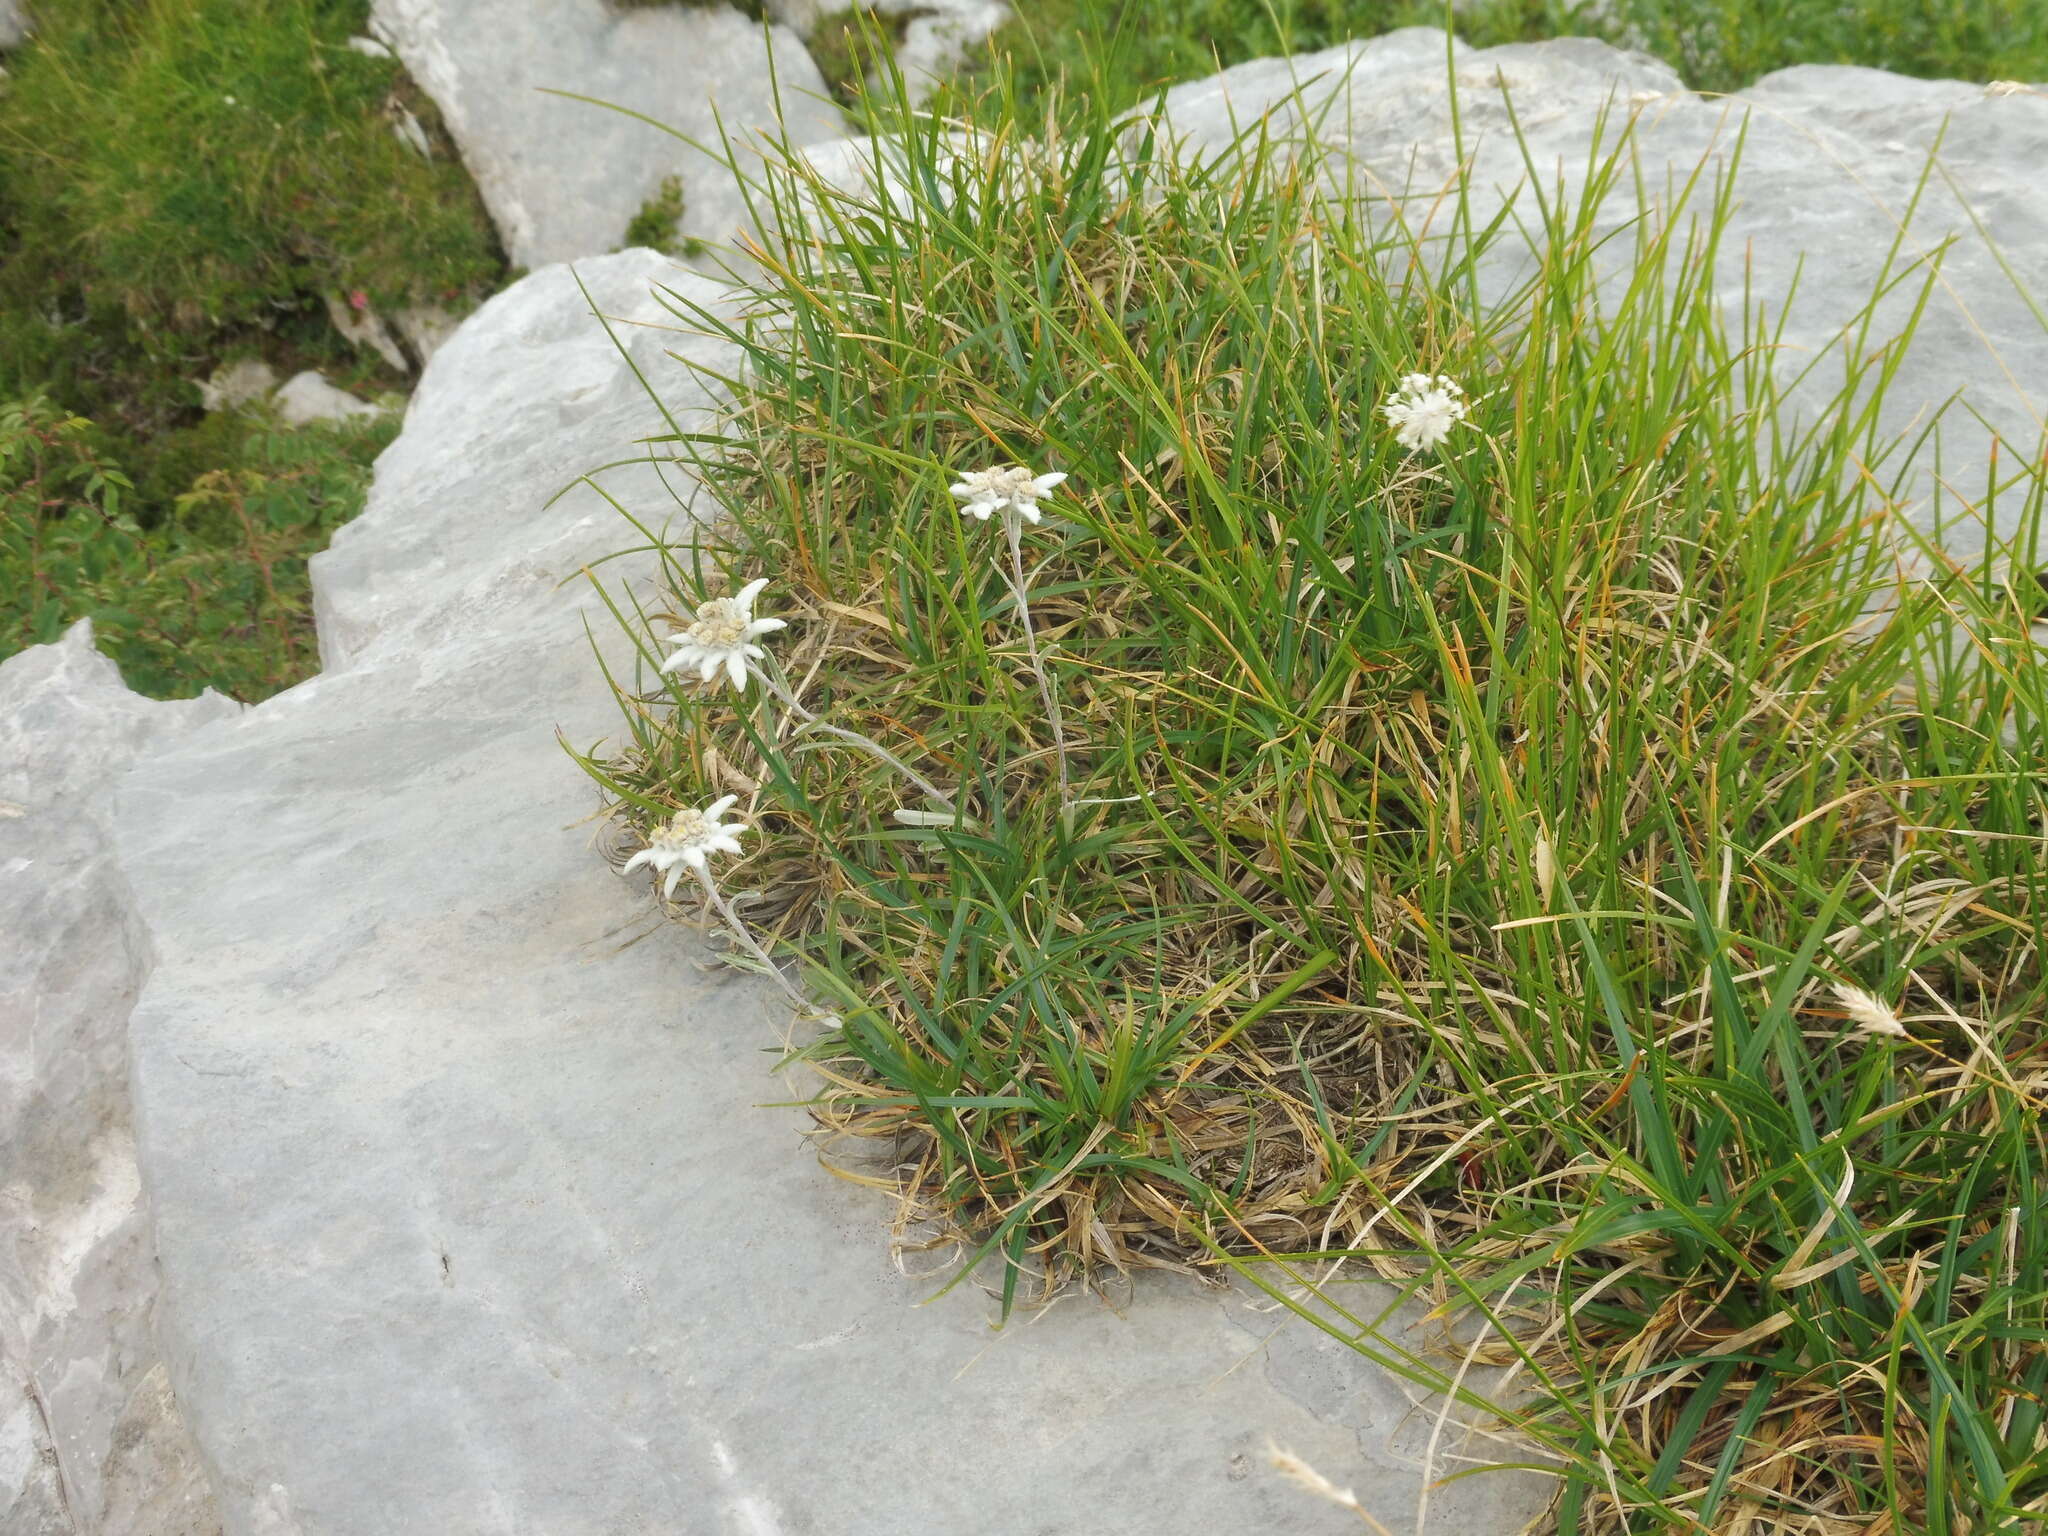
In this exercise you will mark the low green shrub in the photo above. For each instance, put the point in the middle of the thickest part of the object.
(183, 182)
(213, 593)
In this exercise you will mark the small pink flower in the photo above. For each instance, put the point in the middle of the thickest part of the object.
(357, 299)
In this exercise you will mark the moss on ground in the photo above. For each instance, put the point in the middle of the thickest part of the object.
(657, 224)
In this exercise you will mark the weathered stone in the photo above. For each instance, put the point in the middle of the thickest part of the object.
(367, 331)
(563, 178)
(471, 1215)
(233, 385)
(405, 124)
(424, 327)
(89, 1436)
(14, 27)
(1829, 168)
(308, 397)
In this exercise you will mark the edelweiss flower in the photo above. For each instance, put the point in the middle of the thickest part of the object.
(723, 635)
(1013, 491)
(1424, 409)
(688, 840)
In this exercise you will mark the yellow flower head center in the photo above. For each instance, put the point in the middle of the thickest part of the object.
(1013, 484)
(721, 625)
(689, 827)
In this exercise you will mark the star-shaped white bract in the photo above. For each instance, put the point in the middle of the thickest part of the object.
(1423, 410)
(688, 841)
(722, 636)
(1013, 491)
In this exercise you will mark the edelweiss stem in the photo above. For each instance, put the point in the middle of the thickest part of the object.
(812, 723)
(1013, 527)
(745, 935)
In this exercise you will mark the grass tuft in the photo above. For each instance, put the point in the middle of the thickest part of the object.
(1466, 853)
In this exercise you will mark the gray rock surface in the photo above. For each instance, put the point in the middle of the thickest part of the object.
(234, 385)
(1828, 173)
(471, 1216)
(14, 27)
(424, 327)
(562, 178)
(90, 1439)
(307, 397)
(363, 328)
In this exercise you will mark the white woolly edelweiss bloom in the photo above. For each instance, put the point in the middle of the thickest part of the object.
(723, 636)
(688, 841)
(1012, 491)
(1423, 410)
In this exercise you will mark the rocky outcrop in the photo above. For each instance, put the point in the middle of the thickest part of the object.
(471, 1215)
(1845, 178)
(563, 178)
(90, 1439)
(232, 386)
(308, 397)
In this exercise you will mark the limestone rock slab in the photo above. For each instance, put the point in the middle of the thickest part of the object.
(1834, 170)
(90, 1438)
(234, 385)
(308, 397)
(561, 178)
(471, 1213)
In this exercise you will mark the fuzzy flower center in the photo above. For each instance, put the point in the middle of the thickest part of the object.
(720, 625)
(1436, 412)
(688, 829)
(1013, 484)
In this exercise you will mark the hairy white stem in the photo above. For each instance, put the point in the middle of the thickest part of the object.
(811, 722)
(745, 935)
(1013, 526)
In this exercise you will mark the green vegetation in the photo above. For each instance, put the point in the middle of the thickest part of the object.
(1125, 49)
(846, 44)
(1467, 851)
(212, 592)
(185, 182)
(654, 226)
